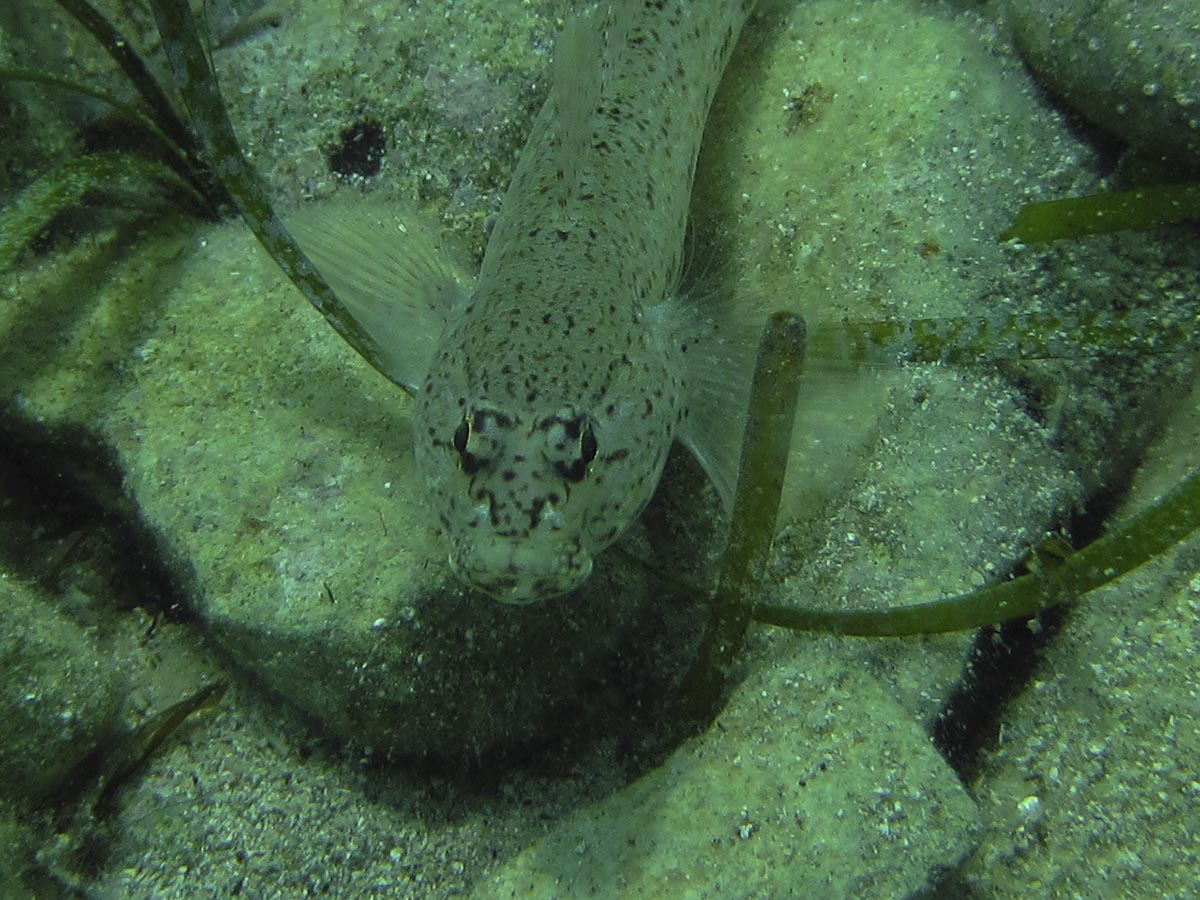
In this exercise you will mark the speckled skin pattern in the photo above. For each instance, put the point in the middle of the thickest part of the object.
(546, 416)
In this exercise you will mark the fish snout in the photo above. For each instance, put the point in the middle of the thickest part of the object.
(521, 574)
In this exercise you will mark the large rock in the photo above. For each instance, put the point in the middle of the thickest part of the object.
(862, 160)
(1095, 779)
(274, 468)
(1130, 67)
(813, 782)
(61, 695)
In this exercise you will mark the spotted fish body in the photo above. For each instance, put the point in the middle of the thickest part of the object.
(544, 416)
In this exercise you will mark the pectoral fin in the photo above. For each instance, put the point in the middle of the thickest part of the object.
(392, 274)
(720, 366)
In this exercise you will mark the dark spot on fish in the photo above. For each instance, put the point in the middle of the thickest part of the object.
(470, 463)
(535, 513)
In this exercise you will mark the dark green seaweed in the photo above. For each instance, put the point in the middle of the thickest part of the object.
(141, 743)
(1073, 217)
(765, 447)
(198, 86)
(65, 186)
(1148, 533)
(122, 52)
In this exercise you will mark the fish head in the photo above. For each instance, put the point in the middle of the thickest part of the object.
(529, 488)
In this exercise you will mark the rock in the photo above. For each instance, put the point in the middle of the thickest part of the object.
(1095, 778)
(273, 468)
(862, 162)
(1130, 67)
(60, 695)
(813, 782)
(281, 494)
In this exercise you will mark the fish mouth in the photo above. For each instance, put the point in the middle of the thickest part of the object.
(522, 585)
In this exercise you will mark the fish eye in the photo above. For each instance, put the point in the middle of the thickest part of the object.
(587, 444)
(461, 434)
(469, 462)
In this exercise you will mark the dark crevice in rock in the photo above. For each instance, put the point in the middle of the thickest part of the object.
(1002, 662)
(1005, 660)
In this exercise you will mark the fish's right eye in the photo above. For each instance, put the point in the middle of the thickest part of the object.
(469, 462)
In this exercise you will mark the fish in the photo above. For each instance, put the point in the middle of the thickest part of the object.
(549, 388)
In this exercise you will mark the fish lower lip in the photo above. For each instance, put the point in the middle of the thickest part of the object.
(520, 594)
(514, 590)
(513, 583)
